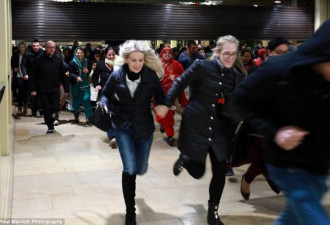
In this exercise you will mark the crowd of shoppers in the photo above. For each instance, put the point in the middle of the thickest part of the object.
(138, 82)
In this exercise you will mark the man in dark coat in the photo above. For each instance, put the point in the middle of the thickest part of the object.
(47, 73)
(287, 99)
(203, 128)
(26, 67)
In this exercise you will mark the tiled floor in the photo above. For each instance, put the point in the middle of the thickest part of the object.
(73, 174)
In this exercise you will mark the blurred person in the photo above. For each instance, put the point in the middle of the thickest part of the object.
(102, 72)
(26, 67)
(186, 58)
(262, 54)
(80, 88)
(287, 101)
(172, 69)
(47, 74)
(20, 80)
(247, 60)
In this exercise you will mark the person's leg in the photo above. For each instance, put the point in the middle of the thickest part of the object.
(20, 97)
(125, 141)
(254, 157)
(25, 96)
(142, 152)
(167, 126)
(216, 188)
(55, 106)
(194, 168)
(45, 100)
(129, 186)
(87, 103)
(76, 100)
(303, 191)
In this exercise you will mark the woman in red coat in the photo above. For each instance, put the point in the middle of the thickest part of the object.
(173, 69)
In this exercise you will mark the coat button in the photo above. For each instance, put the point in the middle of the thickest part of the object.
(213, 105)
(210, 128)
(209, 139)
(220, 83)
(216, 94)
(211, 117)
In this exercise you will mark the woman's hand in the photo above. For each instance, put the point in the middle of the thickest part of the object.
(79, 79)
(161, 110)
(290, 137)
(85, 70)
(98, 87)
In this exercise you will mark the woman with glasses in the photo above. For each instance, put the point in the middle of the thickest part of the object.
(204, 129)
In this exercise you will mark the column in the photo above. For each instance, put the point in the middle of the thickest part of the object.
(322, 12)
(5, 106)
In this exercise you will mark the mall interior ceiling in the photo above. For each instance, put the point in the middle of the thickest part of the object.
(255, 3)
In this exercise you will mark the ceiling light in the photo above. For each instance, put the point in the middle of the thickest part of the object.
(277, 2)
(255, 5)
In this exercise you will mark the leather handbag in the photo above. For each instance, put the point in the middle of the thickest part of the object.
(100, 119)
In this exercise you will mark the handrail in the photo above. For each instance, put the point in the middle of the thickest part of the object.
(2, 91)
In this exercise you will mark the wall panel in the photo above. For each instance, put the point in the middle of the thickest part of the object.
(115, 21)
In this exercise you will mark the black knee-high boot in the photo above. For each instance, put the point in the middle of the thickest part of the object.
(128, 185)
(212, 214)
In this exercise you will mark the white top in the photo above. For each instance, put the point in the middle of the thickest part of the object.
(132, 85)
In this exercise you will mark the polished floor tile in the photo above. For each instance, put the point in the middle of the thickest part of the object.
(73, 174)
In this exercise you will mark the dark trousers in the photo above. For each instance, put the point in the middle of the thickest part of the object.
(35, 104)
(23, 92)
(196, 169)
(258, 164)
(50, 103)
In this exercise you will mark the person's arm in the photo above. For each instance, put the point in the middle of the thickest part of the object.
(96, 76)
(183, 81)
(107, 98)
(33, 78)
(24, 64)
(73, 72)
(249, 100)
(63, 77)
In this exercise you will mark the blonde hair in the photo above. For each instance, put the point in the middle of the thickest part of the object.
(21, 43)
(225, 39)
(150, 58)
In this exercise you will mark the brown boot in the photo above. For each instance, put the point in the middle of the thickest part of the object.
(19, 111)
(113, 143)
(25, 109)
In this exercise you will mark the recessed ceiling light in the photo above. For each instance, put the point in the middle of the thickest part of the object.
(255, 5)
(277, 2)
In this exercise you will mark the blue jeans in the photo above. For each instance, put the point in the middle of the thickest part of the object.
(134, 151)
(303, 192)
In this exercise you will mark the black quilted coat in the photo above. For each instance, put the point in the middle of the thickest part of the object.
(202, 126)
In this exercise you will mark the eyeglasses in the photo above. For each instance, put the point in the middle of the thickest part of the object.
(228, 55)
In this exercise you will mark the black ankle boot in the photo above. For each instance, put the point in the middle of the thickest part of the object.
(128, 185)
(212, 214)
(179, 164)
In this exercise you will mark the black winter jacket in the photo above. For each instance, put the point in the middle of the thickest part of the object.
(285, 91)
(47, 73)
(136, 111)
(28, 60)
(203, 126)
(101, 74)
